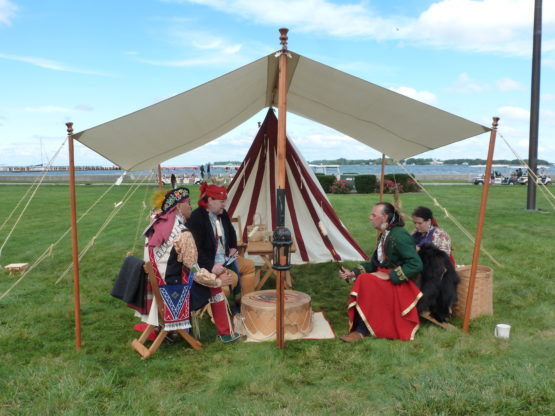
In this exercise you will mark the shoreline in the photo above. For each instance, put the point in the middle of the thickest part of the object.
(111, 178)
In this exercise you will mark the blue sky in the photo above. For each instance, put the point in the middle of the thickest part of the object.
(92, 61)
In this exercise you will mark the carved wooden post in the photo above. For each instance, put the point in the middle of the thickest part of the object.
(281, 142)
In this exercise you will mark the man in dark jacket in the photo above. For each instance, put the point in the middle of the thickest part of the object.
(216, 240)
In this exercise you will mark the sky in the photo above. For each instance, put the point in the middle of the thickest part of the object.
(90, 62)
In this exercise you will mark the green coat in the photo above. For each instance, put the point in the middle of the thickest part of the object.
(401, 257)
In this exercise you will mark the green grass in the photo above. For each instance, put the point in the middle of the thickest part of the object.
(439, 373)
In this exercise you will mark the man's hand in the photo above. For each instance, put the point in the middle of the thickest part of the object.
(218, 269)
(346, 274)
(233, 253)
(226, 279)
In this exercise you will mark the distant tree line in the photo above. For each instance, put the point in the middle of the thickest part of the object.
(421, 161)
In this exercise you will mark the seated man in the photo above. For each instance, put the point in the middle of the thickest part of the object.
(171, 249)
(216, 239)
(383, 297)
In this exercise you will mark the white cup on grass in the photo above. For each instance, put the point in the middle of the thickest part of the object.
(502, 331)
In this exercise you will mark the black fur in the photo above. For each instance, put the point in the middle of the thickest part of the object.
(438, 283)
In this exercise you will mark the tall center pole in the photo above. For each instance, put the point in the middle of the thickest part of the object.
(534, 107)
(480, 228)
(282, 117)
(75, 250)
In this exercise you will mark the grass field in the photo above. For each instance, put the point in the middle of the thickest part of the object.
(439, 373)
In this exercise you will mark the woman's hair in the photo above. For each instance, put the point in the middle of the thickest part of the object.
(424, 213)
(394, 218)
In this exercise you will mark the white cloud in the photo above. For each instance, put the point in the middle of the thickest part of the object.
(514, 113)
(84, 107)
(48, 64)
(487, 25)
(47, 109)
(7, 12)
(205, 48)
(548, 117)
(423, 96)
(465, 84)
(209, 60)
(508, 84)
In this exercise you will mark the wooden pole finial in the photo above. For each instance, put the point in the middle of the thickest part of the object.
(283, 38)
(69, 125)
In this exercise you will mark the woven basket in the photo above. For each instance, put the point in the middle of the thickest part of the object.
(482, 299)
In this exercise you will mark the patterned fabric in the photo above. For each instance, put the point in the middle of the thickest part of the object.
(441, 240)
(205, 278)
(436, 236)
(186, 249)
(176, 305)
(173, 197)
(218, 297)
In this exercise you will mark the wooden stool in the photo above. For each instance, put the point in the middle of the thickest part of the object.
(16, 267)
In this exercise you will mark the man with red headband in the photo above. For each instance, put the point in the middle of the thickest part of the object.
(216, 239)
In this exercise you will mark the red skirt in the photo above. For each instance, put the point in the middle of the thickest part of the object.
(388, 310)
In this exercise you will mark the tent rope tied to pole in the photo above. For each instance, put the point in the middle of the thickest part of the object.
(130, 192)
(49, 251)
(542, 186)
(49, 164)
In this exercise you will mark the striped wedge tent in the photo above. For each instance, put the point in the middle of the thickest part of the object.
(318, 233)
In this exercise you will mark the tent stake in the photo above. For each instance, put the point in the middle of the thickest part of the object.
(481, 217)
(75, 250)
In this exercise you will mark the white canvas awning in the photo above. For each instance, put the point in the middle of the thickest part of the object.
(387, 121)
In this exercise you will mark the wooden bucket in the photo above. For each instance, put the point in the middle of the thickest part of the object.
(258, 312)
(482, 299)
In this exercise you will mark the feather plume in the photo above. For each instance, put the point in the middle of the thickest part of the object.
(158, 199)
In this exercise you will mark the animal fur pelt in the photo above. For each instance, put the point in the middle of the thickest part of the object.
(438, 283)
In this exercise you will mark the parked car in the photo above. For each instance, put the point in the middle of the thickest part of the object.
(543, 179)
(496, 179)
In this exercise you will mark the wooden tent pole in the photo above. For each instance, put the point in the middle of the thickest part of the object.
(75, 250)
(481, 217)
(382, 177)
(381, 188)
(282, 117)
(160, 184)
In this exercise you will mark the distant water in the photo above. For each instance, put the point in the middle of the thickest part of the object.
(359, 169)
